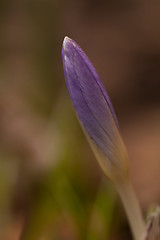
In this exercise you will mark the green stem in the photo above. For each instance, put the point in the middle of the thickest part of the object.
(132, 208)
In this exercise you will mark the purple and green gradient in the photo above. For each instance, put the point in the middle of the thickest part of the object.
(90, 100)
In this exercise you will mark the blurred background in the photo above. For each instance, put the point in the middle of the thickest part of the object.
(51, 187)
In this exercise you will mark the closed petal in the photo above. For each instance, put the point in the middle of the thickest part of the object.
(90, 100)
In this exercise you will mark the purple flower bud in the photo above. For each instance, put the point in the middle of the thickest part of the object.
(93, 106)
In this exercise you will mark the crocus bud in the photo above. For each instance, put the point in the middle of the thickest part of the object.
(94, 110)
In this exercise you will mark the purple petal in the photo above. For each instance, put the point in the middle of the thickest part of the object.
(89, 97)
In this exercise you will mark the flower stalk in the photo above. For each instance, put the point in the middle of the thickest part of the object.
(132, 208)
(100, 125)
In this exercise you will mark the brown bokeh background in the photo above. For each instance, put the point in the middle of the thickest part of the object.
(37, 123)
